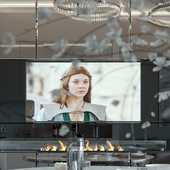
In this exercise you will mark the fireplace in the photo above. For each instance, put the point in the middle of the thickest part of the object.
(88, 147)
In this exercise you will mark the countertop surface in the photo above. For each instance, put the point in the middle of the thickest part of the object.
(52, 158)
(91, 168)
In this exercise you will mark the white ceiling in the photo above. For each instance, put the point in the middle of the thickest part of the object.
(18, 17)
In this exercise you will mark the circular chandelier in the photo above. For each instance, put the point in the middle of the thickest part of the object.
(83, 10)
(69, 7)
(154, 19)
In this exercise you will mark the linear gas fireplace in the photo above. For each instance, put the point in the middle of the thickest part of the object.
(88, 147)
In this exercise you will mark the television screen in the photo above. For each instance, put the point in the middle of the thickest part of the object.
(91, 91)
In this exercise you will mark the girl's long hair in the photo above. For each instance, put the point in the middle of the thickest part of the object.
(65, 81)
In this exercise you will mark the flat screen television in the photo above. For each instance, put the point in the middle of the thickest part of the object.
(115, 85)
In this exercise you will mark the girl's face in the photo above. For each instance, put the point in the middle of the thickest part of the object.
(78, 85)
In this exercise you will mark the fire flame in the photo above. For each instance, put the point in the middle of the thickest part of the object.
(47, 148)
(63, 147)
(54, 148)
(95, 148)
(110, 146)
(87, 146)
(101, 148)
(85, 149)
(119, 148)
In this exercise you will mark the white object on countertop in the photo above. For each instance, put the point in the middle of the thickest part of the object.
(157, 166)
(132, 168)
(60, 166)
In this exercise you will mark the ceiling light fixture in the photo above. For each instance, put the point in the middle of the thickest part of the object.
(154, 10)
(93, 10)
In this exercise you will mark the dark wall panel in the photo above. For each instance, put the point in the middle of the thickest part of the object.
(12, 111)
(12, 80)
(149, 88)
(12, 91)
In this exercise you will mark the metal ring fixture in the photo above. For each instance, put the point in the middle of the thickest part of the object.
(155, 20)
(103, 11)
(69, 7)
